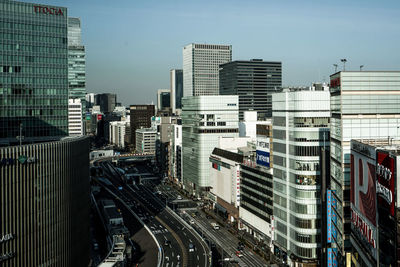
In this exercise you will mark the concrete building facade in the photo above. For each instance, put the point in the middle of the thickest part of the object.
(75, 122)
(300, 131)
(204, 120)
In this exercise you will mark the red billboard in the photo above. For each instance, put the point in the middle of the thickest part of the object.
(99, 117)
(385, 181)
(363, 196)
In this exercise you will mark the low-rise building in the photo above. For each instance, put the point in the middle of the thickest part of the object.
(146, 141)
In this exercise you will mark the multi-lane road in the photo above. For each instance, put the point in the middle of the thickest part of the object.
(174, 237)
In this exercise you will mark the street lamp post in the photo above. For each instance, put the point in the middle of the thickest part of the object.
(344, 63)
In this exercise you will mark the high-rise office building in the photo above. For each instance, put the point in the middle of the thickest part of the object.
(163, 99)
(300, 132)
(364, 105)
(75, 122)
(204, 120)
(107, 102)
(201, 68)
(140, 118)
(254, 82)
(76, 62)
(176, 87)
(33, 72)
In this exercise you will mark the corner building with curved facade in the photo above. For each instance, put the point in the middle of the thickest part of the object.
(44, 204)
(300, 132)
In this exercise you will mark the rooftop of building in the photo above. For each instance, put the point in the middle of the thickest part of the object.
(388, 144)
(146, 130)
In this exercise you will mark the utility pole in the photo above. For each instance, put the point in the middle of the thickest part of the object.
(335, 65)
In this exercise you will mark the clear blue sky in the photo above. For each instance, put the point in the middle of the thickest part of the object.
(131, 45)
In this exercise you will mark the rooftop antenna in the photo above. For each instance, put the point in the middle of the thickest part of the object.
(362, 66)
(344, 63)
(335, 65)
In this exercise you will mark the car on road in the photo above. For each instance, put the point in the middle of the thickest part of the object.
(191, 247)
(191, 221)
(179, 197)
(215, 226)
(239, 254)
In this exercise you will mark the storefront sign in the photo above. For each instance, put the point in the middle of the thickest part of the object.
(48, 10)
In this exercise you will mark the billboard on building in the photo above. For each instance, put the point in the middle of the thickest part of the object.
(330, 216)
(262, 158)
(385, 181)
(363, 196)
(332, 260)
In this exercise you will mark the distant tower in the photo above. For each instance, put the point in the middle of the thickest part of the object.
(201, 66)
(76, 62)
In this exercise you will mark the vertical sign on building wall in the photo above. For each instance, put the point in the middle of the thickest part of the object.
(237, 170)
(262, 151)
(385, 182)
(329, 215)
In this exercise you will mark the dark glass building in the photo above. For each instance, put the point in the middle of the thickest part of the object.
(107, 102)
(140, 118)
(33, 72)
(254, 82)
(176, 86)
(44, 204)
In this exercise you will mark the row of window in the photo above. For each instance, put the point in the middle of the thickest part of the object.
(217, 131)
(32, 38)
(32, 27)
(11, 90)
(42, 48)
(60, 59)
(35, 70)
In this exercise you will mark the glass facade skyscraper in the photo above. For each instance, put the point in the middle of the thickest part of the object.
(33, 72)
(176, 87)
(254, 81)
(76, 62)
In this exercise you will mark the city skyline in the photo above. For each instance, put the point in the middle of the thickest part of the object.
(308, 38)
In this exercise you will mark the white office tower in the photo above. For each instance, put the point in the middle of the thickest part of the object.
(365, 105)
(248, 126)
(204, 120)
(75, 124)
(201, 68)
(117, 132)
(300, 131)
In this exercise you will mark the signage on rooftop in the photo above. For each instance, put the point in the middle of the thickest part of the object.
(48, 10)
